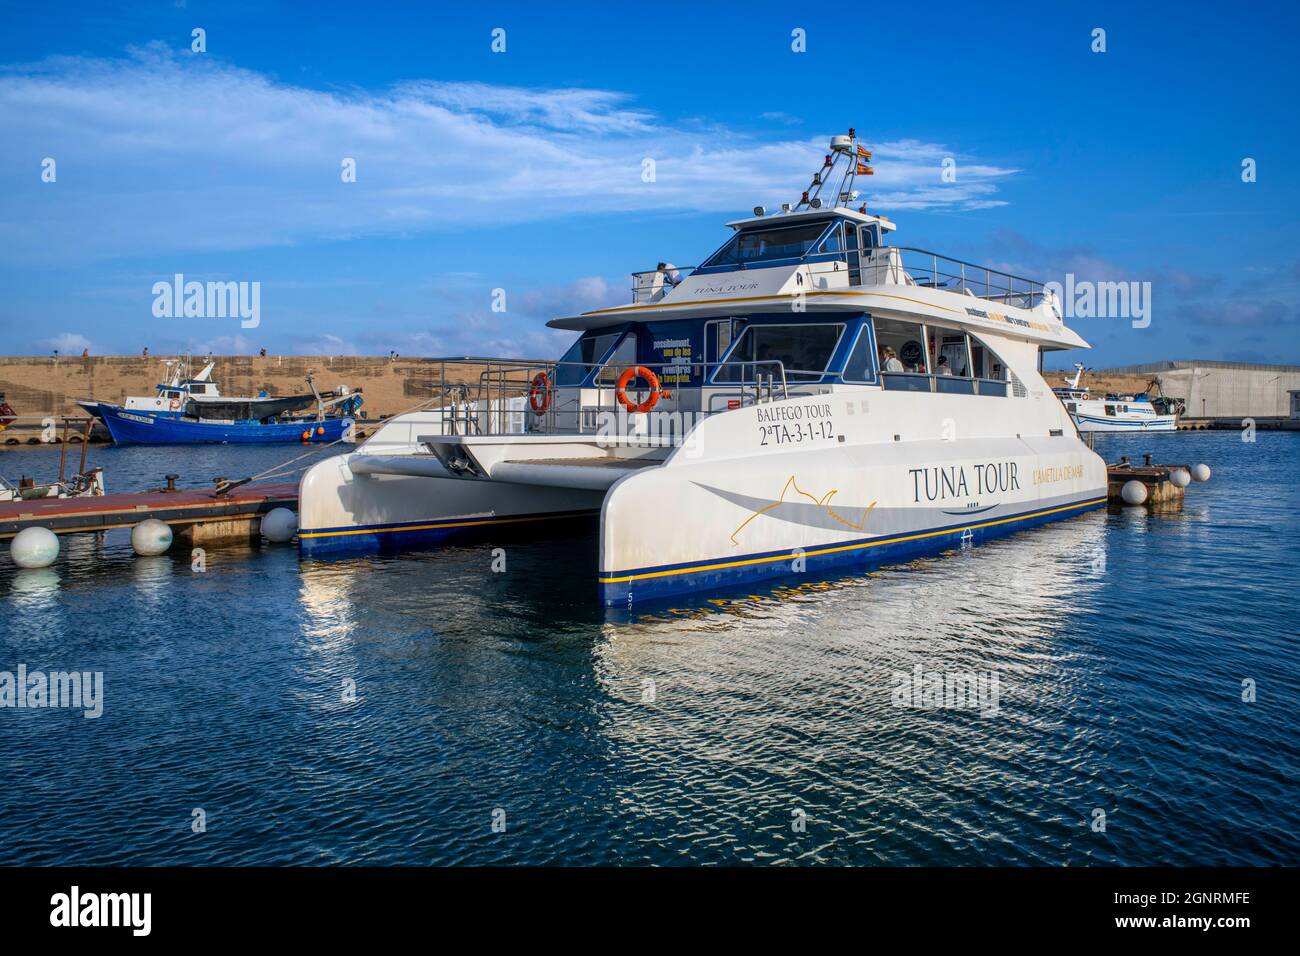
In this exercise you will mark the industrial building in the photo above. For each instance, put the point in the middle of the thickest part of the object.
(1224, 389)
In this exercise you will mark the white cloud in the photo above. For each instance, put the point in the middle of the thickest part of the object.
(67, 343)
(160, 153)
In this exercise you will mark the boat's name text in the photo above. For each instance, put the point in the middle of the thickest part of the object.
(941, 482)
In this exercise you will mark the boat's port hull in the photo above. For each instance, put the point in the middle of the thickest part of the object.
(342, 513)
(398, 537)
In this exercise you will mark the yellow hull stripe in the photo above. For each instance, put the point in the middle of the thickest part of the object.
(761, 298)
(619, 579)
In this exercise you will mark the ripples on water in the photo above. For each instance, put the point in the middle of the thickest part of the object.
(1120, 641)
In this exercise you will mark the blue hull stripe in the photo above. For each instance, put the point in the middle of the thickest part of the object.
(662, 581)
(1113, 423)
(404, 535)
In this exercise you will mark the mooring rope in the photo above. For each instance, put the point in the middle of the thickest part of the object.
(275, 470)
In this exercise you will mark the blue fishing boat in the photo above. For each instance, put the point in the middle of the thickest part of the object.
(189, 409)
(161, 428)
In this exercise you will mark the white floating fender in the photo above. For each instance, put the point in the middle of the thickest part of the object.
(1133, 492)
(1180, 478)
(34, 548)
(151, 537)
(279, 525)
(1201, 472)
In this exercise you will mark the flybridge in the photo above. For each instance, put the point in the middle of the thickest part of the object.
(817, 254)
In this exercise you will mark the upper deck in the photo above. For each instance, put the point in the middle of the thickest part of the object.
(810, 257)
(833, 261)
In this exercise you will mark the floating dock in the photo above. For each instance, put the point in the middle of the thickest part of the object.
(1163, 491)
(198, 516)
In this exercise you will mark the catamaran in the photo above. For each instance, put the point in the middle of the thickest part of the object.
(810, 397)
(1116, 413)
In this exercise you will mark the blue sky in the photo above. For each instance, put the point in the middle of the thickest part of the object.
(522, 170)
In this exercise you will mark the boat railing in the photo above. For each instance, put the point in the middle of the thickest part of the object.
(931, 270)
(897, 265)
(482, 396)
(651, 285)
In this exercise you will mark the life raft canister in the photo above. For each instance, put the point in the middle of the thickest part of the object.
(638, 371)
(539, 393)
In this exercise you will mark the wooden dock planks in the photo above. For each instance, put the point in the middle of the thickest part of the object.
(185, 506)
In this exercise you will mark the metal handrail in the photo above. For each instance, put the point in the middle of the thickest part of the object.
(943, 272)
(498, 396)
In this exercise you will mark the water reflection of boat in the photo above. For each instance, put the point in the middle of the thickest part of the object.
(190, 409)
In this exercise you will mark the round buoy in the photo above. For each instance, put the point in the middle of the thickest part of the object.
(151, 537)
(34, 548)
(1201, 472)
(1180, 478)
(320, 430)
(1133, 492)
(280, 524)
(306, 436)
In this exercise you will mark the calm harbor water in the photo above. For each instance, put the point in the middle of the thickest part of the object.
(706, 732)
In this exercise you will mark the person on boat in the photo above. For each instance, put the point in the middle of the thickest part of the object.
(672, 275)
(943, 368)
(892, 364)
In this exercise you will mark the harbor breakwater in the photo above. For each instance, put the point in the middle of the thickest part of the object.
(51, 385)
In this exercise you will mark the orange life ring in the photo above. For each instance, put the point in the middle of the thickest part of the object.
(539, 395)
(638, 371)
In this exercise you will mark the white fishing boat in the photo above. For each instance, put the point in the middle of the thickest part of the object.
(809, 397)
(87, 484)
(1114, 413)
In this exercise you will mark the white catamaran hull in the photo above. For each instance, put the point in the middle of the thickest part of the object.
(781, 489)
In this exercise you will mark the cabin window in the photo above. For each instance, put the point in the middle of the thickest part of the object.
(1110, 410)
(903, 362)
(990, 370)
(834, 241)
(768, 244)
(802, 351)
(624, 356)
(861, 366)
(583, 357)
(718, 336)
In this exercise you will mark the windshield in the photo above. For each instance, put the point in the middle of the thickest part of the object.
(803, 350)
(583, 356)
(768, 245)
